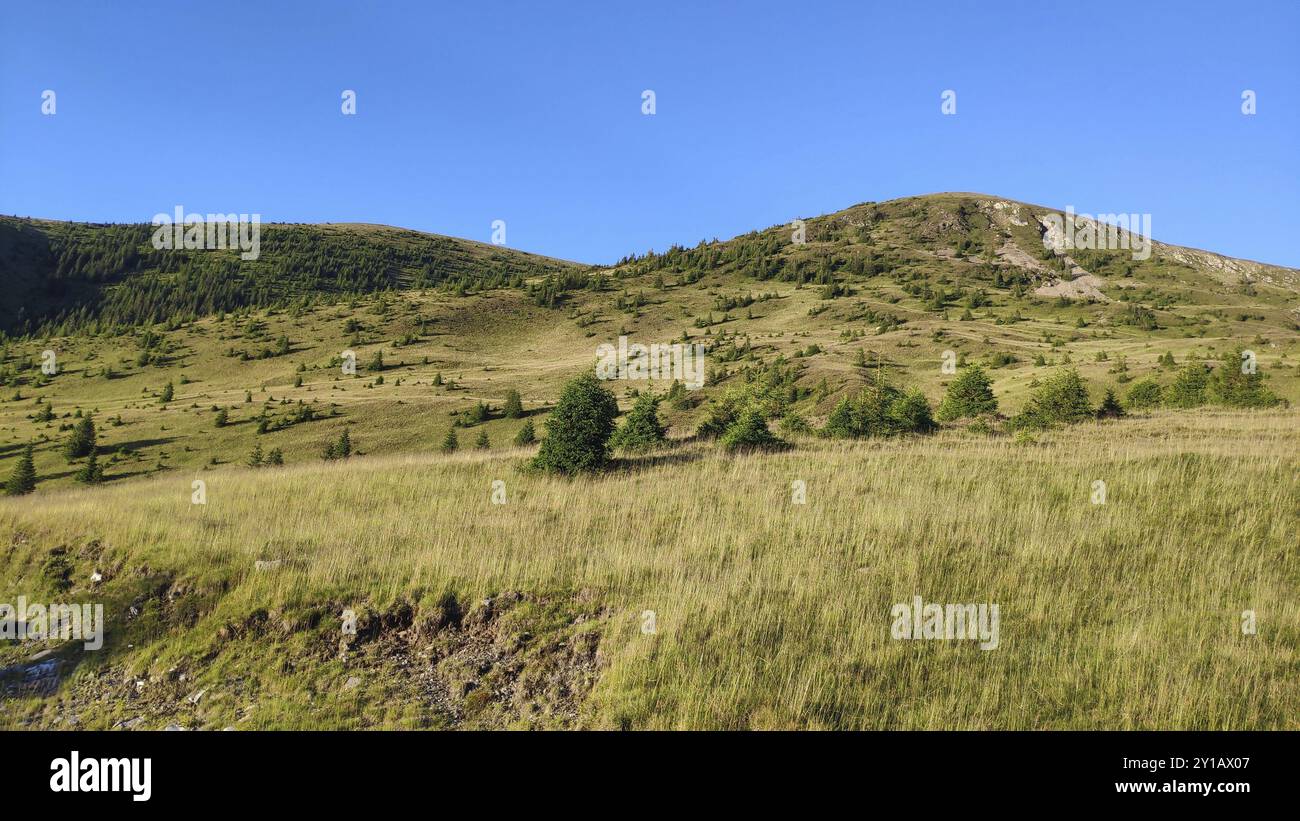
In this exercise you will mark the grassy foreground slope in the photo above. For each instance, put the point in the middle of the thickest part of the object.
(767, 614)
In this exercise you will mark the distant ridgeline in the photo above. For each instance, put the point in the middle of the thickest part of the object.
(66, 277)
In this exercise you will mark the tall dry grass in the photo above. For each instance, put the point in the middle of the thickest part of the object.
(771, 614)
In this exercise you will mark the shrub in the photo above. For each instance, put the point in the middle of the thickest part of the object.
(749, 432)
(1145, 394)
(514, 406)
(1230, 385)
(792, 422)
(770, 391)
(1188, 388)
(721, 414)
(578, 430)
(482, 442)
(867, 414)
(221, 419)
(881, 410)
(981, 427)
(677, 397)
(526, 435)
(840, 424)
(910, 413)
(970, 394)
(1062, 397)
(475, 415)
(641, 430)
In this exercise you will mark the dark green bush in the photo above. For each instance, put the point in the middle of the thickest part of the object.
(1231, 384)
(578, 430)
(1061, 398)
(970, 394)
(1188, 388)
(749, 432)
(1145, 394)
(880, 410)
(526, 435)
(642, 430)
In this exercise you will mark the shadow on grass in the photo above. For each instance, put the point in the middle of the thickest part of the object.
(135, 444)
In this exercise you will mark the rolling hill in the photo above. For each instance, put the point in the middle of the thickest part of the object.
(531, 613)
(889, 287)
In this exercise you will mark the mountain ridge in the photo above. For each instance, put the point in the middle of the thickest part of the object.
(44, 282)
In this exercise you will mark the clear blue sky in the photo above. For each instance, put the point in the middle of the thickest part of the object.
(531, 113)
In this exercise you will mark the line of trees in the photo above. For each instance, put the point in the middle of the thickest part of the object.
(103, 278)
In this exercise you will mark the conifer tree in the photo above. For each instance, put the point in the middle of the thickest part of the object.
(514, 407)
(450, 444)
(526, 435)
(1110, 407)
(970, 394)
(1062, 397)
(578, 430)
(82, 440)
(23, 479)
(91, 473)
(641, 429)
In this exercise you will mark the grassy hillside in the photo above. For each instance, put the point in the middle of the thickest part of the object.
(915, 278)
(769, 614)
